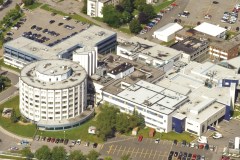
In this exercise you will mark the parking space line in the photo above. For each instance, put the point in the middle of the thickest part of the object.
(141, 153)
(137, 152)
(110, 148)
(131, 153)
(154, 154)
(124, 150)
(115, 149)
(119, 150)
(146, 152)
(150, 154)
(101, 147)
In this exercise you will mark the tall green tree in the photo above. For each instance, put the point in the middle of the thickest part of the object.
(43, 153)
(1, 2)
(59, 152)
(93, 155)
(148, 10)
(111, 16)
(128, 5)
(138, 3)
(13, 117)
(106, 121)
(76, 155)
(122, 123)
(134, 26)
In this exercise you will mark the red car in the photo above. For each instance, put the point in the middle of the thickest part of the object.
(140, 137)
(52, 140)
(194, 157)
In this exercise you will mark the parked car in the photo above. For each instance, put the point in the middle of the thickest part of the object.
(157, 140)
(78, 142)
(175, 142)
(95, 145)
(73, 143)
(87, 144)
(215, 2)
(217, 135)
(66, 141)
(53, 140)
(140, 138)
(37, 137)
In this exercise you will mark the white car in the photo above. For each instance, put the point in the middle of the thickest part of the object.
(217, 135)
(202, 139)
(78, 141)
(66, 17)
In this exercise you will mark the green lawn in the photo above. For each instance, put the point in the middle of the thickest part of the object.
(80, 132)
(125, 29)
(34, 5)
(27, 130)
(169, 136)
(74, 16)
(163, 5)
(8, 66)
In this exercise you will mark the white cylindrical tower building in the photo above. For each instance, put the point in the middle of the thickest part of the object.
(53, 92)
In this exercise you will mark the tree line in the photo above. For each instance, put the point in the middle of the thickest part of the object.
(111, 120)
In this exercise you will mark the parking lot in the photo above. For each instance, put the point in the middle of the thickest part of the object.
(44, 27)
(199, 10)
(147, 149)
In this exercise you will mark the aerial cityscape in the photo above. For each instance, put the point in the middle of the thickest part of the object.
(119, 80)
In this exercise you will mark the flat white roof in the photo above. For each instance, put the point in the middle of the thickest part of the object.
(168, 29)
(210, 29)
(154, 97)
(89, 37)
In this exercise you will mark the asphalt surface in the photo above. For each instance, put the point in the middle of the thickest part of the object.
(147, 149)
(167, 18)
(8, 8)
(11, 90)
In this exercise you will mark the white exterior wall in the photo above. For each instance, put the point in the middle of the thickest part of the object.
(156, 120)
(94, 8)
(99, 9)
(126, 54)
(165, 38)
(43, 104)
(14, 62)
(87, 59)
(237, 142)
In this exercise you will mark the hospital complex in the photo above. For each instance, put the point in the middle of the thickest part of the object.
(174, 88)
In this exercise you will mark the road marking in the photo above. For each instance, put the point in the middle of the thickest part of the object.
(131, 151)
(120, 140)
(115, 149)
(137, 152)
(102, 147)
(141, 153)
(154, 154)
(124, 150)
(150, 154)
(110, 148)
(119, 150)
(146, 152)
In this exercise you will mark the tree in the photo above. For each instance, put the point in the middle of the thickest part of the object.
(13, 117)
(106, 121)
(119, 8)
(126, 157)
(76, 155)
(143, 18)
(138, 3)
(28, 2)
(127, 5)
(122, 123)
(93, 155)
(84, 8)
(111, 16)
(59, 153)
(43, 153)
(1, 2)
(148, 10)
(26, 152)
(134, 26)
(126, 16)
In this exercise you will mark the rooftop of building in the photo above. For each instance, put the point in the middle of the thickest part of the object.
(210, 29)
(53, 67)
(91, 36)
(121, 68)
(152, 96)
(189, 45)
(149, 49)
(141, 72)
(169, 29)
(200, 109)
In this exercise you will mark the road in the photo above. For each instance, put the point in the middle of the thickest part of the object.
(8, 8)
